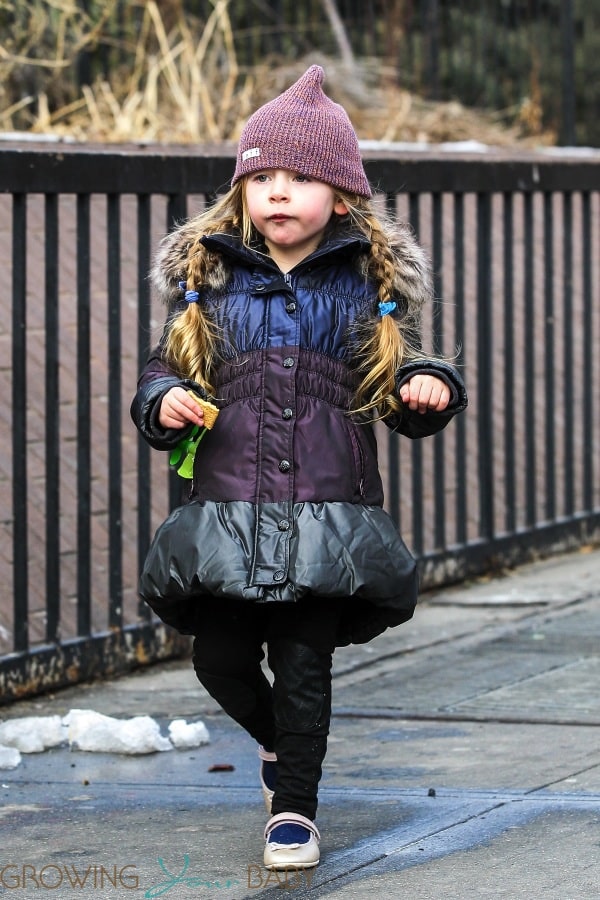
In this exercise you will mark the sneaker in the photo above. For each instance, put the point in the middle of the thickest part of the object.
(292, 842)
(268, 775)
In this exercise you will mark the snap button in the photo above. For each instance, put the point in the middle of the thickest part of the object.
(285, 465)
(278, 575)
(284, 525)
(287, 413)
(291, 307)
(288, 362)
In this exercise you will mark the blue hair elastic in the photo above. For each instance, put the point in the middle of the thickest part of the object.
(386, 308)
(190, 296)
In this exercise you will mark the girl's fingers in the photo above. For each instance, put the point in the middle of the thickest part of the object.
(191, 411)
(425, 392)
(444, 399)
(179, 409)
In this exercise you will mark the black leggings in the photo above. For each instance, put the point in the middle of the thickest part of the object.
(292, 717)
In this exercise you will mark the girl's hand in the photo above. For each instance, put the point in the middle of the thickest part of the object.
(425, 392)
(178, 409)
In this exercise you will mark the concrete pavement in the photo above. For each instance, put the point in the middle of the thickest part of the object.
(464, 761)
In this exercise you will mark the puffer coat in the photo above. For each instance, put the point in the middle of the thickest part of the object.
(286, 498)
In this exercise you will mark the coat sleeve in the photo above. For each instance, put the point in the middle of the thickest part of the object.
(413, 424)
(154, 382)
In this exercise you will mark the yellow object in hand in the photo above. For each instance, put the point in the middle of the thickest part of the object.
(187, 447)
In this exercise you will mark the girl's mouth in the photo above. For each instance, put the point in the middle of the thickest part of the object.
(279, 217)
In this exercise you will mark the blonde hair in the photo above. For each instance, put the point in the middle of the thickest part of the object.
(382, 344)
(192, 338)
(382, 348)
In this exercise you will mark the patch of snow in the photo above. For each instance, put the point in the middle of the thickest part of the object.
(97, 733)
(464, 147)
(93, 732)
(187, 736)
(584, 152)
(30, 138)
(33, 734)
(9, 757)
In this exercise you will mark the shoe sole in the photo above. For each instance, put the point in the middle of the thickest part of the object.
(286, 867)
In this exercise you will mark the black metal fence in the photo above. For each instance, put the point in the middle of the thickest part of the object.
(515, 244)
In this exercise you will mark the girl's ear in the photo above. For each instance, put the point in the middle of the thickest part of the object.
(340, 208)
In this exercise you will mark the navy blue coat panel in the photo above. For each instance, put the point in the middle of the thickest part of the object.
(286, 499)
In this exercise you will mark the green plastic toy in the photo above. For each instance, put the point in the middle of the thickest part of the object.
(183, 455)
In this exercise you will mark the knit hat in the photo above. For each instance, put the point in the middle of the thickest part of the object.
(304, 131)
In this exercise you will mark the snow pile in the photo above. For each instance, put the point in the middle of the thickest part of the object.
(91, 731)
(33, 733)
(84, 729)
(9, 757)
(186, 736)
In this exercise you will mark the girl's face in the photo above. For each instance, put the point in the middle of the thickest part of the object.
(291, 212)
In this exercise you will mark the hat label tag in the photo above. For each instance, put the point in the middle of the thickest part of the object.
(250, 154)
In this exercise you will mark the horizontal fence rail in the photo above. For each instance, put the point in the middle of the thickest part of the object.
(515, 246)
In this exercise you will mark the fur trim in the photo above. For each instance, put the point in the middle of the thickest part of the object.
(170, 264)
(413, 281)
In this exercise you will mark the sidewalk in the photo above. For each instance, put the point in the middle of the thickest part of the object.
(464, 761)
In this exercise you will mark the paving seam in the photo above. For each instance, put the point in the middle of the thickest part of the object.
(486, 635)
(538, 795)
(383, 712)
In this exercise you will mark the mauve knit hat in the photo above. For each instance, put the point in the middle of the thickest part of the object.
(303, 130)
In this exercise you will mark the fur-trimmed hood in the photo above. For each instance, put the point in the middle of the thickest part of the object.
(412, 281)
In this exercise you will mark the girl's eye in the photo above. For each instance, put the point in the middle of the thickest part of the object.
(302, 179)
(260, 177)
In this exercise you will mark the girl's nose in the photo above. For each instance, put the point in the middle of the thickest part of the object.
(279, 187)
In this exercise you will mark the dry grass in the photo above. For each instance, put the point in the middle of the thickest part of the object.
(182, 87)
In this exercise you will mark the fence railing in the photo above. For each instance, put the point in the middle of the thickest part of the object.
(515, 244)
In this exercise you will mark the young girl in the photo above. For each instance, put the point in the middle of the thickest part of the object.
(295, 309)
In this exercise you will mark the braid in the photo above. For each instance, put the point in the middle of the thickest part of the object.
(397, 266)
(191, 346)
(381, 356)
(384, 349)
(192, 339)
(381, 263)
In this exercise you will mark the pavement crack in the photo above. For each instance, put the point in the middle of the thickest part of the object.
(549, 784)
